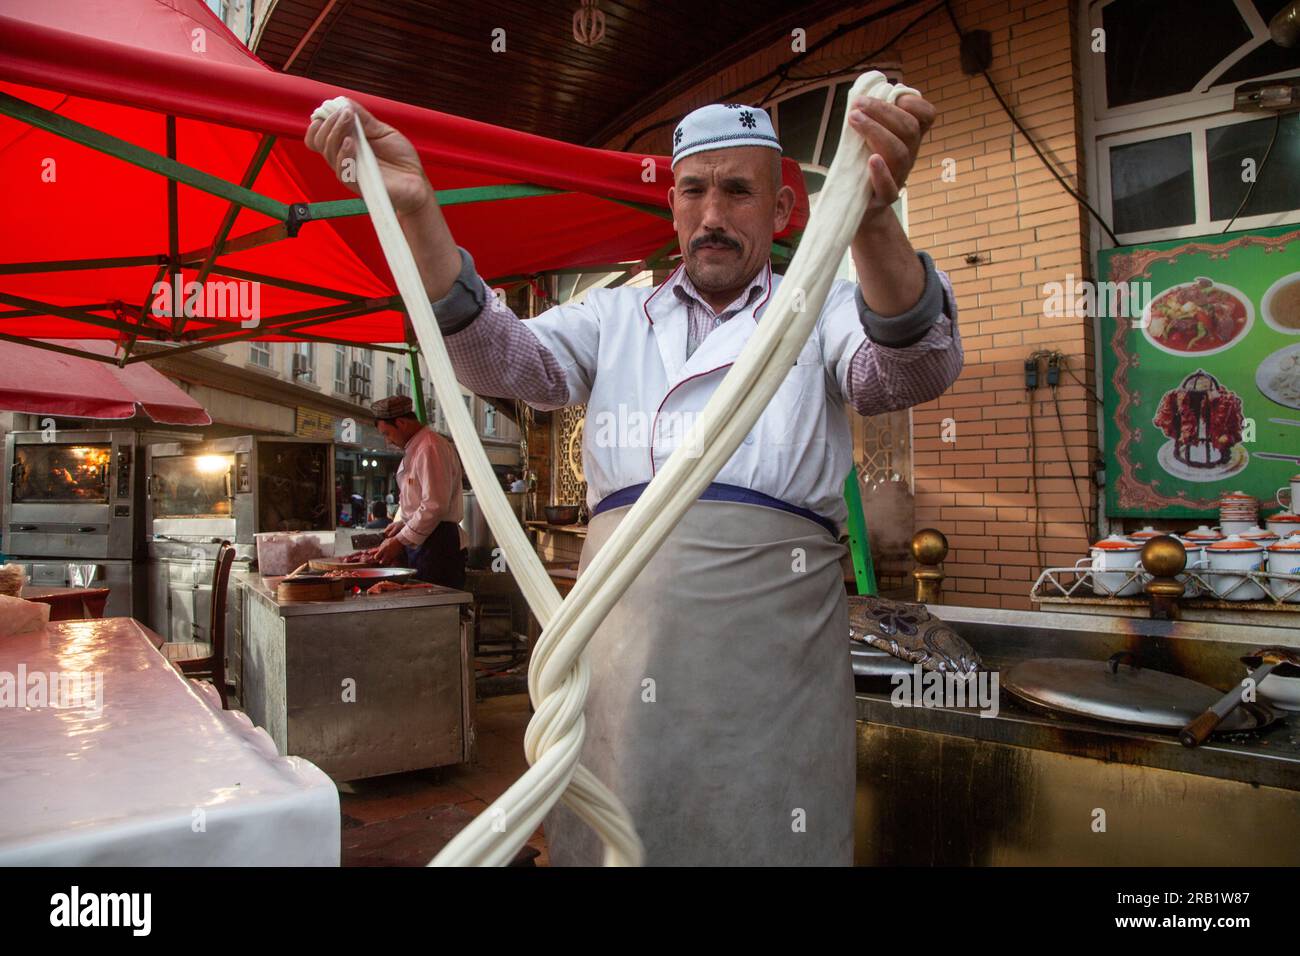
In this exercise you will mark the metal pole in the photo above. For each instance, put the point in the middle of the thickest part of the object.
(417, 389)
(174, 234)
(138, 156)
(255, 164)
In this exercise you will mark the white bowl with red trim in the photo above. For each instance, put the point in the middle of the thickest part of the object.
(1113, 559)
(1284, 558)
(1235, 553)
(1195, 562)
(1284, 523)
(1202, 535)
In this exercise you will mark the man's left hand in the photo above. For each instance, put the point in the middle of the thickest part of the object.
(390, 552)
(893, 132)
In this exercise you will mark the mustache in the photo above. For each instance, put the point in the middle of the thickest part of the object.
(716, 238)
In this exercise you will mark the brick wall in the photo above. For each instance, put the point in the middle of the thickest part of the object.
(979, 488)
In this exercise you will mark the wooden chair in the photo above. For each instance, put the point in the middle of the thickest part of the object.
(209, 660)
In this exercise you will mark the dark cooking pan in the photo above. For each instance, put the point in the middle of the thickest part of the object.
(562, 514)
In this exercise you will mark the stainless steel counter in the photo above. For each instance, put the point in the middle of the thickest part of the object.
(949, 787)
(436, 596)
(363, 686)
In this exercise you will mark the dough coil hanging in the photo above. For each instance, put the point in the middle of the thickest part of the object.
(558, 674)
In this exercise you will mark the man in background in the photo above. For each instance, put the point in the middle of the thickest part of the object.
(378, 515)
(425, 534)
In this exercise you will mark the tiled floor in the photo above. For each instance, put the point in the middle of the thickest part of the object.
(405, 819)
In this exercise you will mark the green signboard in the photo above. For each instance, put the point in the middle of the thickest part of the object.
(1200, 371)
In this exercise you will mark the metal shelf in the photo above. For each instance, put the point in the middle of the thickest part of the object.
(1079, 585)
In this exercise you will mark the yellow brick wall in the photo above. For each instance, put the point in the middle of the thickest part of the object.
(1007, 208)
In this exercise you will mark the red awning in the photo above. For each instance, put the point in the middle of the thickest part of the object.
(40, 382)
(150, 58)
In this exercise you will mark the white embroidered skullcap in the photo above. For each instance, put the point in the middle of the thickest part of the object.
(720, 126)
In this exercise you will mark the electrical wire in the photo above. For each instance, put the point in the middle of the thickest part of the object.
(1259, 173)
(1058, 358)
(1033, 144)
(1033, 479)
(1086, 387)
(1069, 463)
(858, 64)
(780, 72)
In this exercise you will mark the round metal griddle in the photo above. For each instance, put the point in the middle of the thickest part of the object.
(1123, 694)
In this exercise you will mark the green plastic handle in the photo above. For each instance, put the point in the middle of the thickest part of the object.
(859, 543)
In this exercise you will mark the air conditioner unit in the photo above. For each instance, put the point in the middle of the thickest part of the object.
(359, 380)
(301, 366)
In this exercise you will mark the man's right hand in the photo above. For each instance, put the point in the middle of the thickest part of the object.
(334, 138)
(393, 528)
(409, 189)
(389, 553)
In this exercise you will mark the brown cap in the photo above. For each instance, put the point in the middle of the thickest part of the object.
(394, 406)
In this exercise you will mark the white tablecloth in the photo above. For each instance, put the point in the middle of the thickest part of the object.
(159, 776)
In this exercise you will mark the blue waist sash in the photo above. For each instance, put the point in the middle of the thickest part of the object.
(719, 492)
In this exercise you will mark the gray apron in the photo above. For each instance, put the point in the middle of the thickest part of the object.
(721, 705)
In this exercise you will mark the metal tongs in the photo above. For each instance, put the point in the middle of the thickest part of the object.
(1263, 662)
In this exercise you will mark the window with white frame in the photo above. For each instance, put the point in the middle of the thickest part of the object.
(304, 362)
(259, 354)
(341, 369)
(391, 365)
(1172, 159)
(808, 120)
(489, 420)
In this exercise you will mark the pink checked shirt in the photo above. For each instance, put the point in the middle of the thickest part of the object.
(429, 483)
(497, 356)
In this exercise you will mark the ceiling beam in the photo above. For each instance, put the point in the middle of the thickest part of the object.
(800, 15)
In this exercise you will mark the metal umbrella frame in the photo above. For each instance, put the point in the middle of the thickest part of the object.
(134, 322)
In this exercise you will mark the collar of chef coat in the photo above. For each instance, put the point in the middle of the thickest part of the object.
(422, 436)
(668, 316)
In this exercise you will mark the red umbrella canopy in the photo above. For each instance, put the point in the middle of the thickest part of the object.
(47, 383)
(149, 59)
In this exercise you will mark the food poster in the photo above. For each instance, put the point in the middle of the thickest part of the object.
(1200, 353)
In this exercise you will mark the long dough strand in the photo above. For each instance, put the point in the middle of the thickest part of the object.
(558, 674)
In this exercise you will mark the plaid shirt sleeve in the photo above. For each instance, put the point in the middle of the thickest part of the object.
(496, 356)
(884, 378)
(879, 377)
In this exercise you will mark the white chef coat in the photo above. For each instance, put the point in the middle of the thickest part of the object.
(647, 392)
